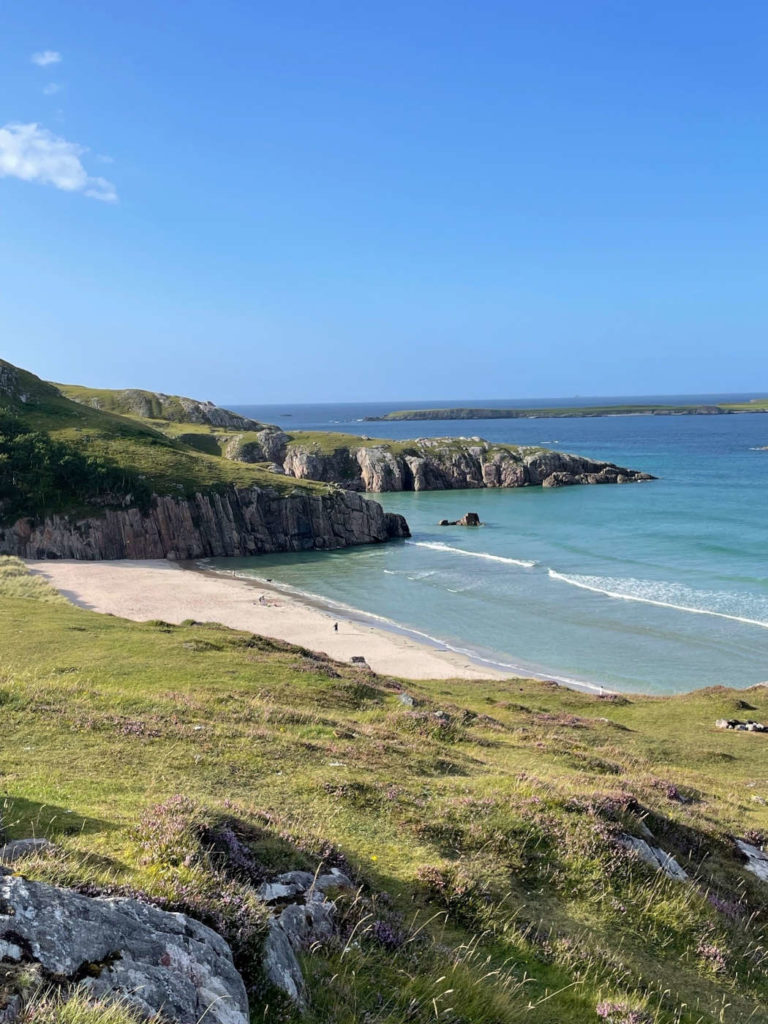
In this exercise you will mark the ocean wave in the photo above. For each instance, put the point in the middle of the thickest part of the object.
(446, 548)
(331, 605)
(411, 574)
(719, 603)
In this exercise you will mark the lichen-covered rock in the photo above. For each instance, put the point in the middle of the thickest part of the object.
(231, 523)
(300, 924)
(269, 447)
(120, 948)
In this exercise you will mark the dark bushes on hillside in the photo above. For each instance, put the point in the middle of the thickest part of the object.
(39, 475)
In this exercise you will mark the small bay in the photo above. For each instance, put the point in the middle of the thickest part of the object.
(659, 587)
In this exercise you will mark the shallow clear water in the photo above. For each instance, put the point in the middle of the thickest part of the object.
(659, 587)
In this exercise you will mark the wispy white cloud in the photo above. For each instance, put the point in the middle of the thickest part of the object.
(51, 89)
(46, 57)
(32, 153)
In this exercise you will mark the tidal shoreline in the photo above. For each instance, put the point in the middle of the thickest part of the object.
(156, 589)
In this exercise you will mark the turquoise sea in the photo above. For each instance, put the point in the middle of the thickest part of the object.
(658, 587)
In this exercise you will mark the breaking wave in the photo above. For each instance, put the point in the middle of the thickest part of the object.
(439, 546)
(721, 604)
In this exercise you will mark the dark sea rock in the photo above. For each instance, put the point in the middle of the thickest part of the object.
(468, 519)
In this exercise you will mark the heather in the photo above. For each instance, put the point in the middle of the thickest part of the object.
(483, 825)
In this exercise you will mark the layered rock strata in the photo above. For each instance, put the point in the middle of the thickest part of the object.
(436, 464)
(235, 522)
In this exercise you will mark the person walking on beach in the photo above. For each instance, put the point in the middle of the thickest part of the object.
(335, 627)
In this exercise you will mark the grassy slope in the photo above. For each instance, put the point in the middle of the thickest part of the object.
(123, 402)
(167, 464)
(571, 411)
(489, 829)
(322, 442)
(214, 440)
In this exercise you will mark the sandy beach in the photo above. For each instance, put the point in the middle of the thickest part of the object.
(142, 590)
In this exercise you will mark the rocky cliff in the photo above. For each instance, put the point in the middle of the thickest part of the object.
(234, 522)
(432, 464)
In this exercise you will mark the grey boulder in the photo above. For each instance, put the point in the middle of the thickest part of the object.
(15, 849)
(757, 859)
(655, 857)
(158, 962)
(298, 926)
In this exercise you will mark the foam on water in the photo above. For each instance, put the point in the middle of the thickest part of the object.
(659, 587)
(387, 623)
(668, 595)
(439, 546)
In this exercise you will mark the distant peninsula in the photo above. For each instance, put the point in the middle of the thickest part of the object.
(583, 411)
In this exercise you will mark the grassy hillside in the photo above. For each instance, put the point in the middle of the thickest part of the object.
(233, 443)
(481, 822)
(152, 405)
(57, 454)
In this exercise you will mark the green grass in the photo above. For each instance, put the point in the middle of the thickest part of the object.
(756, 405)
(232, 444)
(50, 1008)
(134, 402)
(330, 443)
(166, 465)
(482, 837)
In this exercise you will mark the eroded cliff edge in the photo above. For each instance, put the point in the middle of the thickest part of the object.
(235, 522)
(432, 464)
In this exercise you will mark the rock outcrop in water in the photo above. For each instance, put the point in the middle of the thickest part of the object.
(234, 522)
(468, 519)
(435, 464)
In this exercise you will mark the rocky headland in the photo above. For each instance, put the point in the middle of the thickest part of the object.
(436, 464)
(359, 463)
(81, 482)
(236, 522)
(137, 474)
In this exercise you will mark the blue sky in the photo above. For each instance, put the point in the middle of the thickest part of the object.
(257, 202)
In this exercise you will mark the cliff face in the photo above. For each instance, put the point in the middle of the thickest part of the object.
(234, 523)
(433, 464)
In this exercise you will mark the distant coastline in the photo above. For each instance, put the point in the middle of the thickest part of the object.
(585, 411)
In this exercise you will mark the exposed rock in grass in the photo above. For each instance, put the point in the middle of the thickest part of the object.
(757, 859)
(15, 849)
(300, 924)
(655, 857)
(122, 949)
